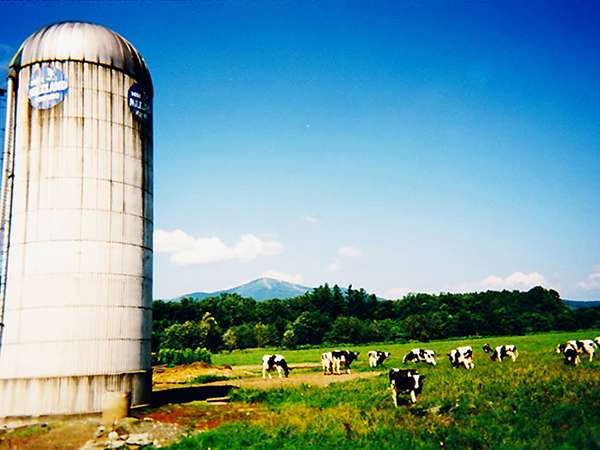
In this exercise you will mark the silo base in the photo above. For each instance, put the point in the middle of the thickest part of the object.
(33, 397)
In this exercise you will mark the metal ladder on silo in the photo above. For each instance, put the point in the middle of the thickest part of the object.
(8, 98)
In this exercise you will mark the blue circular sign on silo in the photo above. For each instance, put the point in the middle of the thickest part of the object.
(47, 87)
(139, 103)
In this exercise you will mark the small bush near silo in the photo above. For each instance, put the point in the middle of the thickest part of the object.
(172, 357)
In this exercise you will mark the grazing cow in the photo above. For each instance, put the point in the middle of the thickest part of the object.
(272, 362)
(333, 361)
(597, 341)
(462, 355)
(501, 352)
(571, 353)
(582, 346)
(586, 346)
(405, 382)
(376, 358)
(418, 354)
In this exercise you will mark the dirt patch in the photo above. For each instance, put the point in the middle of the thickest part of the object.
(163, 377)
(202, 417)
(173, 418)
(249, 376)
(64, 435)
(310, 378)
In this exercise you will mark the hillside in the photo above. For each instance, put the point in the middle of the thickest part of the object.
(579, 304)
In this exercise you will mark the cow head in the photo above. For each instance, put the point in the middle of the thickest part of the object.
(453, 357)
(487, 348)
(418, 383)
(571, 357)
(429, 357)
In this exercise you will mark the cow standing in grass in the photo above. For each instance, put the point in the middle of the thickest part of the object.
(376, 358)
(405, 382)
(462, 355)
(571, 353)
(501, 352)
(332, 362)
(418, 354)
(272, 362)
(586, 346)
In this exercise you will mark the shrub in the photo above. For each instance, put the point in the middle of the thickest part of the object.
(173, 357)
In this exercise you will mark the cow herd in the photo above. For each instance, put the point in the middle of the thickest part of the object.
(409, 381)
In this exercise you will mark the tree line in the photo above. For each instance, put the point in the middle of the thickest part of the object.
(332, 316)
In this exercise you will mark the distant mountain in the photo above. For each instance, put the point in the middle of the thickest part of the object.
(577, 304)
(259, 290)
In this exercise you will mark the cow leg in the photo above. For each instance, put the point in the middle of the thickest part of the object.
(413, 396)
(326, 366)
(279, 371)
(394, 394)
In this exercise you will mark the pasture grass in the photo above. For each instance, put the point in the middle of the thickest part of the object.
(528, 345)
(535, 403)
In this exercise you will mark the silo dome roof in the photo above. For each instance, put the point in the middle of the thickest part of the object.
(82, 41)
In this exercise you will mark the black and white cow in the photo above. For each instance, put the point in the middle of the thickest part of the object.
(571, 353)
(597, 341)
(462, 355)
(582, 346)
(501, 352)
(272, 362)
(418, 354)
(335, 360)
(405, 382)
(376, 358)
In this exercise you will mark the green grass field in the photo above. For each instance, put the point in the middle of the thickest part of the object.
(535, 403)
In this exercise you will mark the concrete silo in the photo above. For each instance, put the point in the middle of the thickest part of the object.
(77, 224)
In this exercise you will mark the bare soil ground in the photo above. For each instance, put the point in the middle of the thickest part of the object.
(251, 376)
(75, 434)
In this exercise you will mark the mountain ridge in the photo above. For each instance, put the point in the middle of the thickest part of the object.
(260, 289)
(266, 288)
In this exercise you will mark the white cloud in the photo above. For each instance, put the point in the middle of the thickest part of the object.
(187, 251)
(517, 280)
(282, 276)
(350, 252)
(311, 219)
(592, 282)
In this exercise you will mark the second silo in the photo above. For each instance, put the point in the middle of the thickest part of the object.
(77, 299)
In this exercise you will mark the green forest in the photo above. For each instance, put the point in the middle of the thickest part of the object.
(335, 316)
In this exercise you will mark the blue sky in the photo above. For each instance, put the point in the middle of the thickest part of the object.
(423, 146)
